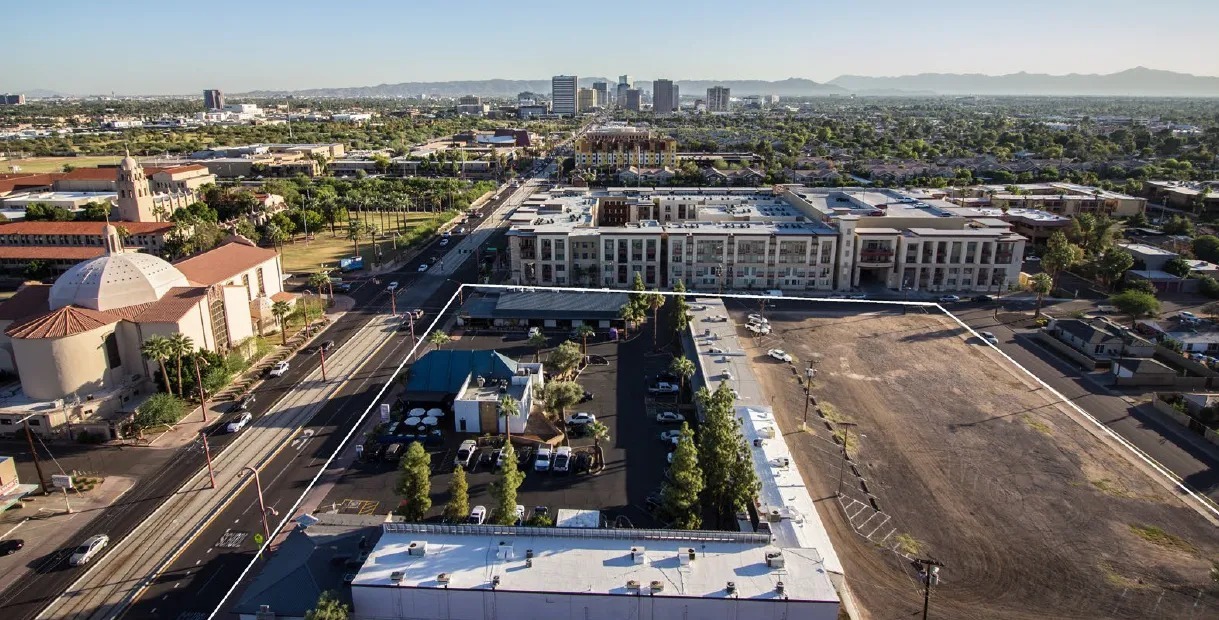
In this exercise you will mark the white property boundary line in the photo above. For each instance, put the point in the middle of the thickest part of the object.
(1200, 500)
(376, 401)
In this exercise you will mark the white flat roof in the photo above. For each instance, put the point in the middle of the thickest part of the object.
(598, 561)
(1149, 250)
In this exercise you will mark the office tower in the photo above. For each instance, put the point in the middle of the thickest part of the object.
(717, 99)
(213, 99)
(563, 95)
(664, 96)
(634, 99)
(586, 99)
(624, 84)
(602, 89)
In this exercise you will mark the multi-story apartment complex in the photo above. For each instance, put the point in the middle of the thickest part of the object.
(1066, 199)
(563, 95)
(789, 238)
(664, 96)
(618, 148)
(718, 99)
(586, 99)
(213, 99)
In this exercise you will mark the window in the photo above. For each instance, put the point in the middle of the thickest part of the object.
(245, 281)
(112, 351)
(262, 285)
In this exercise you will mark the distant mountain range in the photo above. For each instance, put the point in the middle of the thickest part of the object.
(1137, 82)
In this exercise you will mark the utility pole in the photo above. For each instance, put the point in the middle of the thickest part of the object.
(809, 373)
(29, 437)
(322, 352)
(207, 453)
(202, 398)
(931, 573)
(846, 437)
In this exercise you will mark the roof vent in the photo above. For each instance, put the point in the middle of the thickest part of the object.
(685, 557)
(495, 582)
(730, 588)
(417, 548)
(397, 576)
(657, 586)
(779, 587)
(505, 551)
(639, 555)
(774, 559)
(529, 554)
(443, 579)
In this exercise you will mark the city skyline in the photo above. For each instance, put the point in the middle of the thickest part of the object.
(808, 42)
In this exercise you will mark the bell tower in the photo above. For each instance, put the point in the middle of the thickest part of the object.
(134, 195)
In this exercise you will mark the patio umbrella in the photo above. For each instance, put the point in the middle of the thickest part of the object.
(435, 413)
(416, 412)
(412, 421)
(430, 421)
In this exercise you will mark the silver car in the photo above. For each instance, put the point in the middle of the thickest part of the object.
(89, 549)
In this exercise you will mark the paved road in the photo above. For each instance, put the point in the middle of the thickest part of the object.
(198, 579)
(1167, 443)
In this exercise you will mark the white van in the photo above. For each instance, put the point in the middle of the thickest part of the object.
(562, 458)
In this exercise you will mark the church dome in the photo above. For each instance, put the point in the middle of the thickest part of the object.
(115, 281)
(129, 163)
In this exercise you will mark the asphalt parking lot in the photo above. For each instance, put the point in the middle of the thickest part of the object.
(635, 458)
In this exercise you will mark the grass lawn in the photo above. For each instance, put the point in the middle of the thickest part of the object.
(55, 164)
(303, 257)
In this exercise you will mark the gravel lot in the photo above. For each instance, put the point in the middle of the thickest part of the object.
(972, 463)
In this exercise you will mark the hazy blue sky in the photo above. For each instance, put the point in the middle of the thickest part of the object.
(137, 46)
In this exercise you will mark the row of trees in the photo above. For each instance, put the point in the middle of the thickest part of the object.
(415, 488)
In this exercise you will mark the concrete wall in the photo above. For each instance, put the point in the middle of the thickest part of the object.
(1066, 350)
(237, 314)
(1167, 411)
(52, 368)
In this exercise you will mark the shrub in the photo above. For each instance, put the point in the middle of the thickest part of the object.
(159, 409)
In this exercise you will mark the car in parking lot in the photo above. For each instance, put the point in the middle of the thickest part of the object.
(534, 331)
(582, 417)
(499, 458)
(88, 549)
(989, 337)
(465, 452)
(663, 388)
(444, 242)
(422, 267)
(760, 329)
(478, 515)
(949, 299)
(668, 436)
(582, 463)
(393, 286)
(981, 299)
(562, 459)
(1187, 315)
(11, 546)
(542, 460)
(416, 314)
(278, 369)
(756, 318)
(587, 396)
(670, 417)
(780, 354)
(236, 425)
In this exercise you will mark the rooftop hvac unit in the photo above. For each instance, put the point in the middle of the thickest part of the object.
(417, 548)
(774, 559)
(639, 555)
(632, 585)
(657, 586)
(443, 579)
(396, 576)
(685, 557)
(504, 552)
(779, 587)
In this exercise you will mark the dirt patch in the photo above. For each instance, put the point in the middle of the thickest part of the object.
(975, 465)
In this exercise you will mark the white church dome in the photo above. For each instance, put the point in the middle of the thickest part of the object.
(115, 281)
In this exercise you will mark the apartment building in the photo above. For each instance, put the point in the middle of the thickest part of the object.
(718, 98)
(1067, 199)
(789, 238)
(623, 147)
(563, 95)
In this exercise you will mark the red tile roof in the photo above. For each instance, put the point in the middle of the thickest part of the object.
(81, 228)
(177, 302)
(89, 174)
(176, 169)
(66, 321)
(224, 262)
(15, 182)
(28, 301)
(280, 296)
(50, 252)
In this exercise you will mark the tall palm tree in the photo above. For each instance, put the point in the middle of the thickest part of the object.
(683, 367)
(1040, 285)
(538, 341)
(355, 230)
(508, 408)
(583, 332)
(321, 281)
(280, 309)
(655, 301)
(181, 346)
(600, 433)
(158, 348)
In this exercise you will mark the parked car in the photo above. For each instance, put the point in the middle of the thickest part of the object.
(236, 425)
(668, 436)
(326, 346)
(582, 464)
(857, 296)
(89, 549)
(982, 299)
(582, 417)
(11, 546)
(989, 337)
(465, 452)
(534, 331)
(587, 396)
(422, 267)
(756, 318)
(341, 287)
(670, 417)
(393, 286)
(499, 458)
(562, 459)
(278, 369)
(759, 329)
(949, 299)
(780, 354)
(444, 242)
(478, 515)
(542, 460)
(663, 388)
(1187, 315)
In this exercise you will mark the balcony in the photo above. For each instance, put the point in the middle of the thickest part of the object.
(876, 256)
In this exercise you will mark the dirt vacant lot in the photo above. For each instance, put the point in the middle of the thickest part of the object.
(973, 464)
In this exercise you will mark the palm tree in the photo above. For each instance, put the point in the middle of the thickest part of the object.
(508, 408)
(600, 433)
(683, 367)
(630, 313)
(583, 332)
(538, 341)
(158, 348)
(181, 346)
(438, 338)
(281, 309)
(655, 301)
(355, 230)
(1040, 285)
(321, 281)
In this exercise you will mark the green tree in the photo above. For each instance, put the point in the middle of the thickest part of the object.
(565, 359)
(503, 489)
(95, 212)
(37, 269)
(728, 477)
(600, 432)
(280, 309)
(1060, 254)
(1208, 286)
(638, 294)
(1040, 285)
(329, 607)
(458, 506)
(683, 367)
(1135, 304)
(1093, 233)
(654, 301)
(583, 332)
(631, 313)
(679, 494)
(559, 395)
(538, 342)
(1113, 264)
(1178, 225)
(414, 482)
(321, 281)
(1177, 267)
(438, 338)
(276, 235)
(681, 309)
(181, 346)
(355, 231)
(1206, 247)
(381, 162)
(158, 348)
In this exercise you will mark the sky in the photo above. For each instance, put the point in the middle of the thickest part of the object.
(144, 47)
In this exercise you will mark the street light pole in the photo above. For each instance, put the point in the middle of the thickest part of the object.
(322, 353)
(262, 507)
(207, 453)
(202, 398)
(393, 302)
(29, 437)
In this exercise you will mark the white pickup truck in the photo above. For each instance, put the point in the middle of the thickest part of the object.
(663, 388)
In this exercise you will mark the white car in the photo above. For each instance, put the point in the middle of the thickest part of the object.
(465, 452)
(757, 318)
(758, 329)
(581, 418)
(542, 462)
(562, 458)
(236, 425)
(1188, 315)
(393, 286)
(780, 354)
(989, 337)
(664, 388)
(670, 417)
(668, 436)
(89, 549)
(478, 516)
(444, 242)
(949, 299)
(279, 369)
(422, 267)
